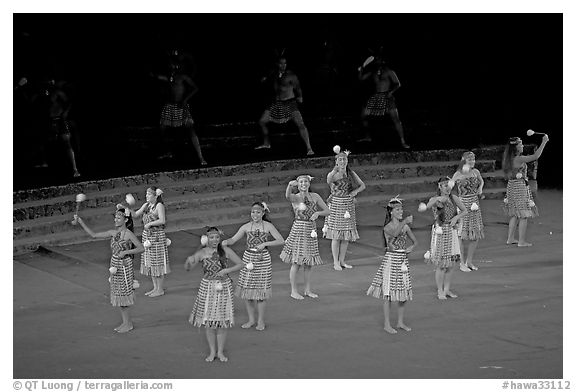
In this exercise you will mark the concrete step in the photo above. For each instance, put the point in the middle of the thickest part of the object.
(300, 165)
(110, 197)
(199, 219)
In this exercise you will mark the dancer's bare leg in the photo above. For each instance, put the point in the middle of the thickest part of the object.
(221, 334)
(342, 254)
(512, 230)
(307, 277)
(401, 309)
(387, 327)
(522, 225)
(250, 309)
(211, 337)
(293, 284)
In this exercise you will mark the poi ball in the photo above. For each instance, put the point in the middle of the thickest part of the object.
(422, 207)
(168, 242)
(135, 284)
(109, 279)
(336, 149)
(302, 207)
(346, 215)
(113, 270)
(219, 286)
(147, 244)
(427, 255)
(474, 207)
(438, 230)
(404, 267)
(465, 168)
(531, 203)
(451, 184)
(204, 240)
(518, 175)
(130, 199)
(313, 234)
(529, 132)
(505, 200)
(250, 266)
(80, 197)
(324, 229)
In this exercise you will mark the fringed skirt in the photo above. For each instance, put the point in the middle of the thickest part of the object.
(471, 226)
(255, 284)
(519, 202)
(301, 248)
(337, 226)
(392, 281)
(378, 104)
(282, 111)
(121, 283)
(213, 308)
(155, 261)
(444, 248)
(175, 116)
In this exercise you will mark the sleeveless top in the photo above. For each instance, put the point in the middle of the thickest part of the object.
(341, 187)
(117, 244)
(449, 211)
(151, 215)
(468, 186)
(255, 238)
(212, 265)
(305, 215)
(398, 242)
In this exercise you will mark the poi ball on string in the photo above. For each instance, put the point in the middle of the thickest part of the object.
(336, 149)
(113, 270)
(250, 266)
(518, 175)
(324, 229)
(427, 255)
(531, 203)
(109, 279)
(474, 207)
(505, 200)
(346, 215)
(529, 132)
(465, 168)
(438, 230)
(80, 197)
(313, 234)
(147, 244)
(135, 284)
(204, 240)
(168, 242)
(130, 199)
(302, 207)
(404, 267)
(422, 207)
(219, 286)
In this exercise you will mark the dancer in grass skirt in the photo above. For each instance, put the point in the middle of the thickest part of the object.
(154, 261)
(124, 245)
(340, 225)
(444, 250)
(255, 280)
(392, 281)
(301, 247)
(469, 185)
(214, 305)
(519, 204)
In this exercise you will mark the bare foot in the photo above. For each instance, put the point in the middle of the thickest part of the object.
(521, 244)
(464, 268)
(125, 328)
(472, 266)
(296, 296)
(406, 146)
(260, 327)
(404, 327)
(119, 327)
(156, 294)
(210, 357)
(450, 294)
(441, 296)
(310, 153)
(389, 329)
(337, 267)
(149, 292)
(248, 324)
(222, 357)
(311, 294)
(511, 242)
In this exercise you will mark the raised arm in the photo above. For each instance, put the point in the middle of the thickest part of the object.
(103, 234)
(537, 153)
(289, 195)
(140, 210)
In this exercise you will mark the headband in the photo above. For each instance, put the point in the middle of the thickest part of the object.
(304, 176)
(395, 200)
(468, 154)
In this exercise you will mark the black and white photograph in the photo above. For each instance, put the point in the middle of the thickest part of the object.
(288, 195)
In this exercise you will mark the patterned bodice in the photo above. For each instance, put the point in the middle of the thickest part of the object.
(117, 244)
(212, 265)
(341, 187)
(398, 242)
(255, 238)
(468, 186)
(449, 211)
(151, 215)
(305, 214)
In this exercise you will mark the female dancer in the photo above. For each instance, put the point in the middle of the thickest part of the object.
(340, 225)
(255, 280)
(121, 267)
(444, 245)
(214, 305)
(392, 281)
(154, 261)
(469, 184)
(301, 247)
(519, 204)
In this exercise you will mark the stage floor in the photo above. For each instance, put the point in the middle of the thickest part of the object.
(507, 322)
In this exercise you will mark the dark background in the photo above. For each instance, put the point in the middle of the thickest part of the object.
(470, 79)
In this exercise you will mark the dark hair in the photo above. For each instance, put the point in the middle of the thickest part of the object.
(510, 152)
(265, 216)
(158, 197)
(220, 249)
(129, 221)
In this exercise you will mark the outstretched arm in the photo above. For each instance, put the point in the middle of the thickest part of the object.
(239, 234)
(289, 195)
(537, 153)
(103, 234)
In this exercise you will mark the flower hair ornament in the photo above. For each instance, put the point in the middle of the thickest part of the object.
(395, 200)
(338, 153)
(159, 192)
(265, 206)
(309, 178)
(468, 154)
